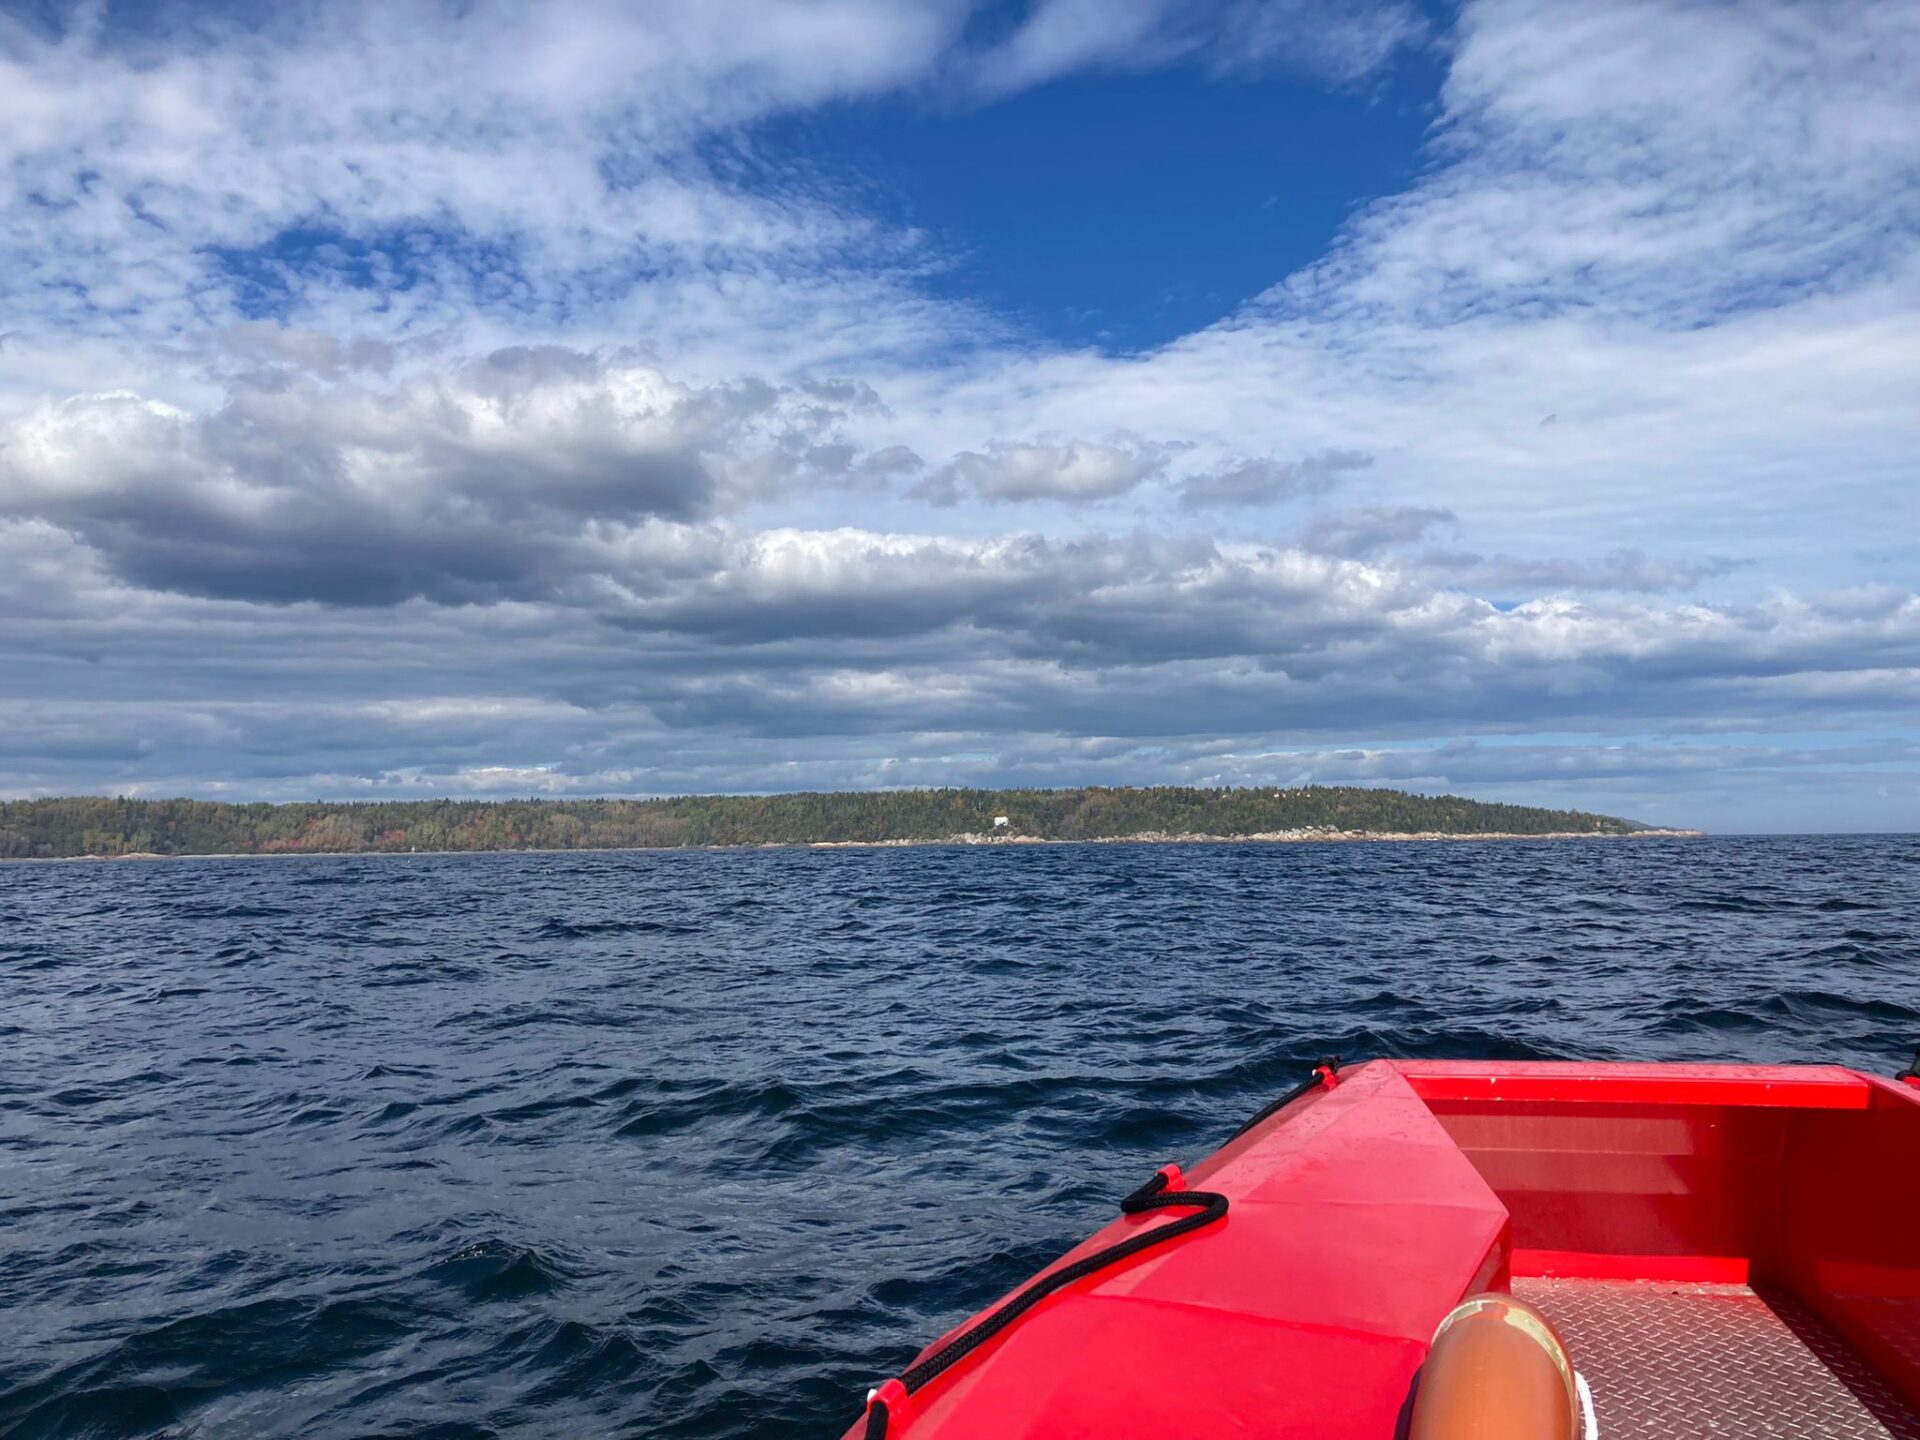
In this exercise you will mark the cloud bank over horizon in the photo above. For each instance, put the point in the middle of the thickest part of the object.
(409, 400)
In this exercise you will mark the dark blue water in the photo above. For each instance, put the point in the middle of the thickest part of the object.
(687, 1144)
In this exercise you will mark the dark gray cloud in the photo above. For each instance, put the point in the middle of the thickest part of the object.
(551, 569)
(522, 475)
(846, 631)
(782, 658)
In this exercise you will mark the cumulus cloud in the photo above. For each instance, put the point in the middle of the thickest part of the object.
(1303, 637)
(522, 474)
(862, 657)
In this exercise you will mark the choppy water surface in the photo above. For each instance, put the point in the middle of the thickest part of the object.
(687, 1144)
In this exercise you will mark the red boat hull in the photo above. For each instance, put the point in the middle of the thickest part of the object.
(1361, 1214)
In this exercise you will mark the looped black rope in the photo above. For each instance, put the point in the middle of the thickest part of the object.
(1912, 1072)
(1207, 1206)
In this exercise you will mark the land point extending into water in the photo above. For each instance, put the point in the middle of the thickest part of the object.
(96, 827)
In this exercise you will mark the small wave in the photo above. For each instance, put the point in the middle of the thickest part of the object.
(1727, 904)
(233, 912)
(392, 1070)
(557, 929)
(1822, 1004)
(153, 1377)
(1690, 1018)
(730, 1101)
(492, 1269)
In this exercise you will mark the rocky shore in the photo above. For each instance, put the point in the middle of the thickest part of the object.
(1269, 837)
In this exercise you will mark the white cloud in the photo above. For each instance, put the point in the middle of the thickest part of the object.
(1341, 41)
(1670, 162)
(1065, 35)
(462, 157)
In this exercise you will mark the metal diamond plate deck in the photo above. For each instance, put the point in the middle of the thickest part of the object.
(1678, 1361)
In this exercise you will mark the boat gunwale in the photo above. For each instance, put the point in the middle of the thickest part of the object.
(1796, 1087)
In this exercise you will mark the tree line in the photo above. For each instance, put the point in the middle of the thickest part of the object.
(95, 825)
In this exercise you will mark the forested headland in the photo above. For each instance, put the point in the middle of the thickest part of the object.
(93, 825)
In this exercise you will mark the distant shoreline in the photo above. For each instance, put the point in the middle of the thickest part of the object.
(1276, 837)
(81, 826)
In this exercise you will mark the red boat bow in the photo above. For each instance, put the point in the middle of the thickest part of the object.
(1360, 1215)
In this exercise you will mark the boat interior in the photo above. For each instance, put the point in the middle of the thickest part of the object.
(1722, 1257)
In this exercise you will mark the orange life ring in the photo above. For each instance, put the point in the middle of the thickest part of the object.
(1497, 1370)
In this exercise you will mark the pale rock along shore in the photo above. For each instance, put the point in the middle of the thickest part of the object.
(1144, 837)
(1265, 837)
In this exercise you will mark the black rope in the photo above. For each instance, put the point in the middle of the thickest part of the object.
(1154, 1195)
(1207, 1206)
(1323, 1074)
(1912, 1072)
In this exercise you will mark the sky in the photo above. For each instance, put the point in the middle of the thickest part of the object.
(1517, 398)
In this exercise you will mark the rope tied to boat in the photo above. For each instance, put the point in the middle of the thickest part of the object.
(1167, 1189)
(1326, 1073)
